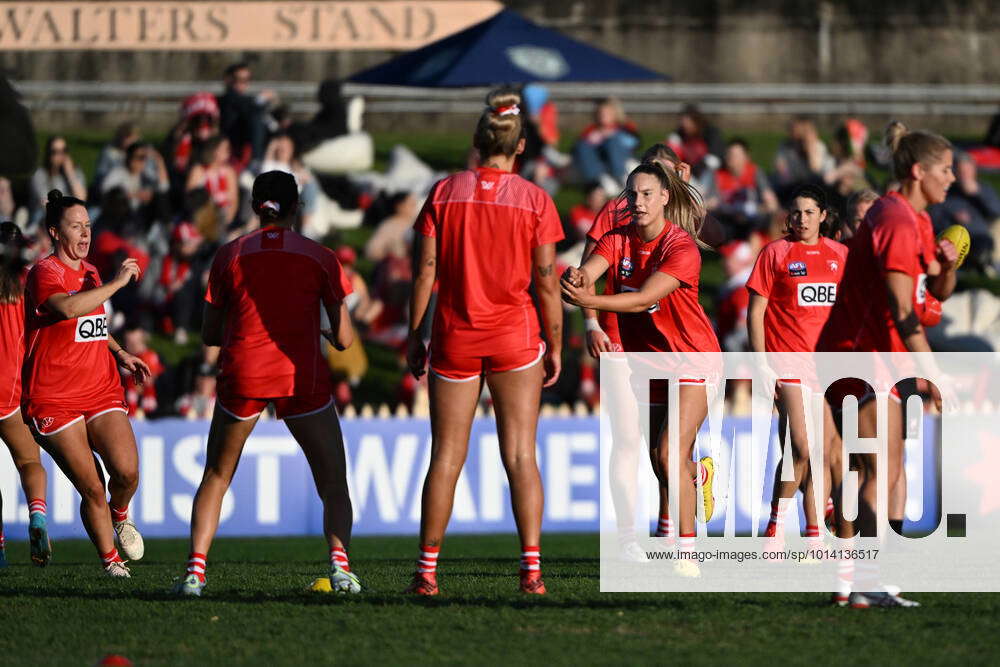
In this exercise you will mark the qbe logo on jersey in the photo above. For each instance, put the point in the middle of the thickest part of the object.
(91, 328)
(817, 294)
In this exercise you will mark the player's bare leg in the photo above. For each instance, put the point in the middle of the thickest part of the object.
(897, 463)
(28, 463)
(70, 449)
(111, 436)
(516, 397)
(693, 408)
(625, 455)
(792, 421)
(452, 407)
(226, 438)
(322, 442)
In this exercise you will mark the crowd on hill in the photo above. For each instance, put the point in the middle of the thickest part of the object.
(172, 205)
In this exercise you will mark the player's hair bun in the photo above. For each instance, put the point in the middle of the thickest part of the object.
(500, 126)
(54, 196)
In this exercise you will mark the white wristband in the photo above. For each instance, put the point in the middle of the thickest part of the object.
(591, 324)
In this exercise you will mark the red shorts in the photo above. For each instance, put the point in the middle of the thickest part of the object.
(286, 407)
(50, 418)
(465, 369)
(860, 390)
(8, 411)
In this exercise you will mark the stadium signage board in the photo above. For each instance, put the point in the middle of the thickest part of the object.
(234, 26)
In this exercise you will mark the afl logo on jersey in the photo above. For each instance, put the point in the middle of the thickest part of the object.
(625, 267)
(91, 328)
(797, 269)
(817, 294)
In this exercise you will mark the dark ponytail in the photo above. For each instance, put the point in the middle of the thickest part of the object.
(56, 207)
(275, 197)
(11, 262)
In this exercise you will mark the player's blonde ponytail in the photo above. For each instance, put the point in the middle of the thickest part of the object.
(912, 147)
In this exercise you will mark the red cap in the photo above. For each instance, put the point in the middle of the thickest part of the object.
(346, 255)
(200, 103)
(185, 231)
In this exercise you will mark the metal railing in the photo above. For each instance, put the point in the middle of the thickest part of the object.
(164, 98)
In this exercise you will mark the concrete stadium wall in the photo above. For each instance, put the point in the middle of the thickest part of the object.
(772, 41)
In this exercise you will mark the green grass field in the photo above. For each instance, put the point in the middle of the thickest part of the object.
(256, 612)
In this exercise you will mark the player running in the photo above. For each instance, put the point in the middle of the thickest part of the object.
(893, 265)
(602, 336)
(487, 233)
(265, 292)
(13, 431)
(793, 286)
(655, 276)
(74, 392)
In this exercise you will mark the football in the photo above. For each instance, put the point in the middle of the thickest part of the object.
(959, 237)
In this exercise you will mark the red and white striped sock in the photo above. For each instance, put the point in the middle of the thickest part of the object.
(531, 559)
(110, 557)
(776, 524)
(37, 506)
(665, 527)
(427, 563)
(686, 543)
(828, 512)
(3, 541)
(196, 565)
(813, 539)
(338, 557)
(118, 515)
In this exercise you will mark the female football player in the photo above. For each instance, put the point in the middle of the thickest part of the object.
(74, 392)
(792, 287)
(13, 431)
(893, 265)
(269, 329)
(654, 274)
(486, 235)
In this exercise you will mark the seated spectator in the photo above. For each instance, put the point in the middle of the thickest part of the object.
(801, 158)
(738, 192)
(855, 209)
(113, 153)
(213, 172)
(395, 233)
(541, 159)
(696, 141)
(850, 142)
(58, 172)
(9, 210)
(242, 115)
(581, 216)
(147, 194)
(179, 292)
(141, 398)
(198, 123)
(974, 204)
(603, 151)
